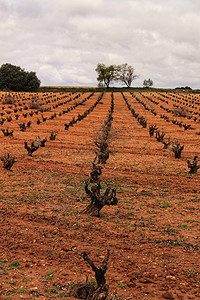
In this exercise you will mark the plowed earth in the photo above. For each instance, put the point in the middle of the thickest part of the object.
(153, 233)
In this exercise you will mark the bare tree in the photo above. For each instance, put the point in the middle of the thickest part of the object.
(126, 74)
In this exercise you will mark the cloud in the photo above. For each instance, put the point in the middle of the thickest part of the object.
(63, 41)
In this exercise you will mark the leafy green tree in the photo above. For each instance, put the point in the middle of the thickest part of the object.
(126, 74)
(147, 83)
(32, 82)
(15, 78)
(106, 75)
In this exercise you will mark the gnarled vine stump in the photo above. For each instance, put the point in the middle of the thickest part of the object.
(8, 161)
(193, 165)
(95, 173)
(32, 148)
(98, 199)
(87, 290)
(177, 149)
(6, 132)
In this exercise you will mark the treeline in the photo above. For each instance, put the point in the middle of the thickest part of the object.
(14, 78)
(115, 73)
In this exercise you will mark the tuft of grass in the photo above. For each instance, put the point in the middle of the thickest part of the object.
(190, 272)
(52, 289)
(10, 282)
(14, 264)
(165, 204)
(49, 275)
(183, 226)
(122, 285)
(92, 282)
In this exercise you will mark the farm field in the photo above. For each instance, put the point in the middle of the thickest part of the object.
(153, 233)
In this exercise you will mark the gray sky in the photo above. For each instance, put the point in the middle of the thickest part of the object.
(64, 40)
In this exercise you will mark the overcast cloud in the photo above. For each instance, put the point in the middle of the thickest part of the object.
(64, 40)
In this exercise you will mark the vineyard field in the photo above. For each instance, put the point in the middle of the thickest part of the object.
(153, 233)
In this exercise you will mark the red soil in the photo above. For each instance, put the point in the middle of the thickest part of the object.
(153, 232)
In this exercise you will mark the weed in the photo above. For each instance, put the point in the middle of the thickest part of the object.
(168, 231)
(8, 228)
(14, 264)
(10, 282)
(50, 250)
(26, 280)
(51, 289)
(134, 242)
(2, 267)
(165, 204)
(84, 234)
(23, 291)
(122, 285)
(89, 219)
(117, 211)
(183, 226)
(192, 221)
(63, 295)
(49, 276)
(190, 272)
(92, 281)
